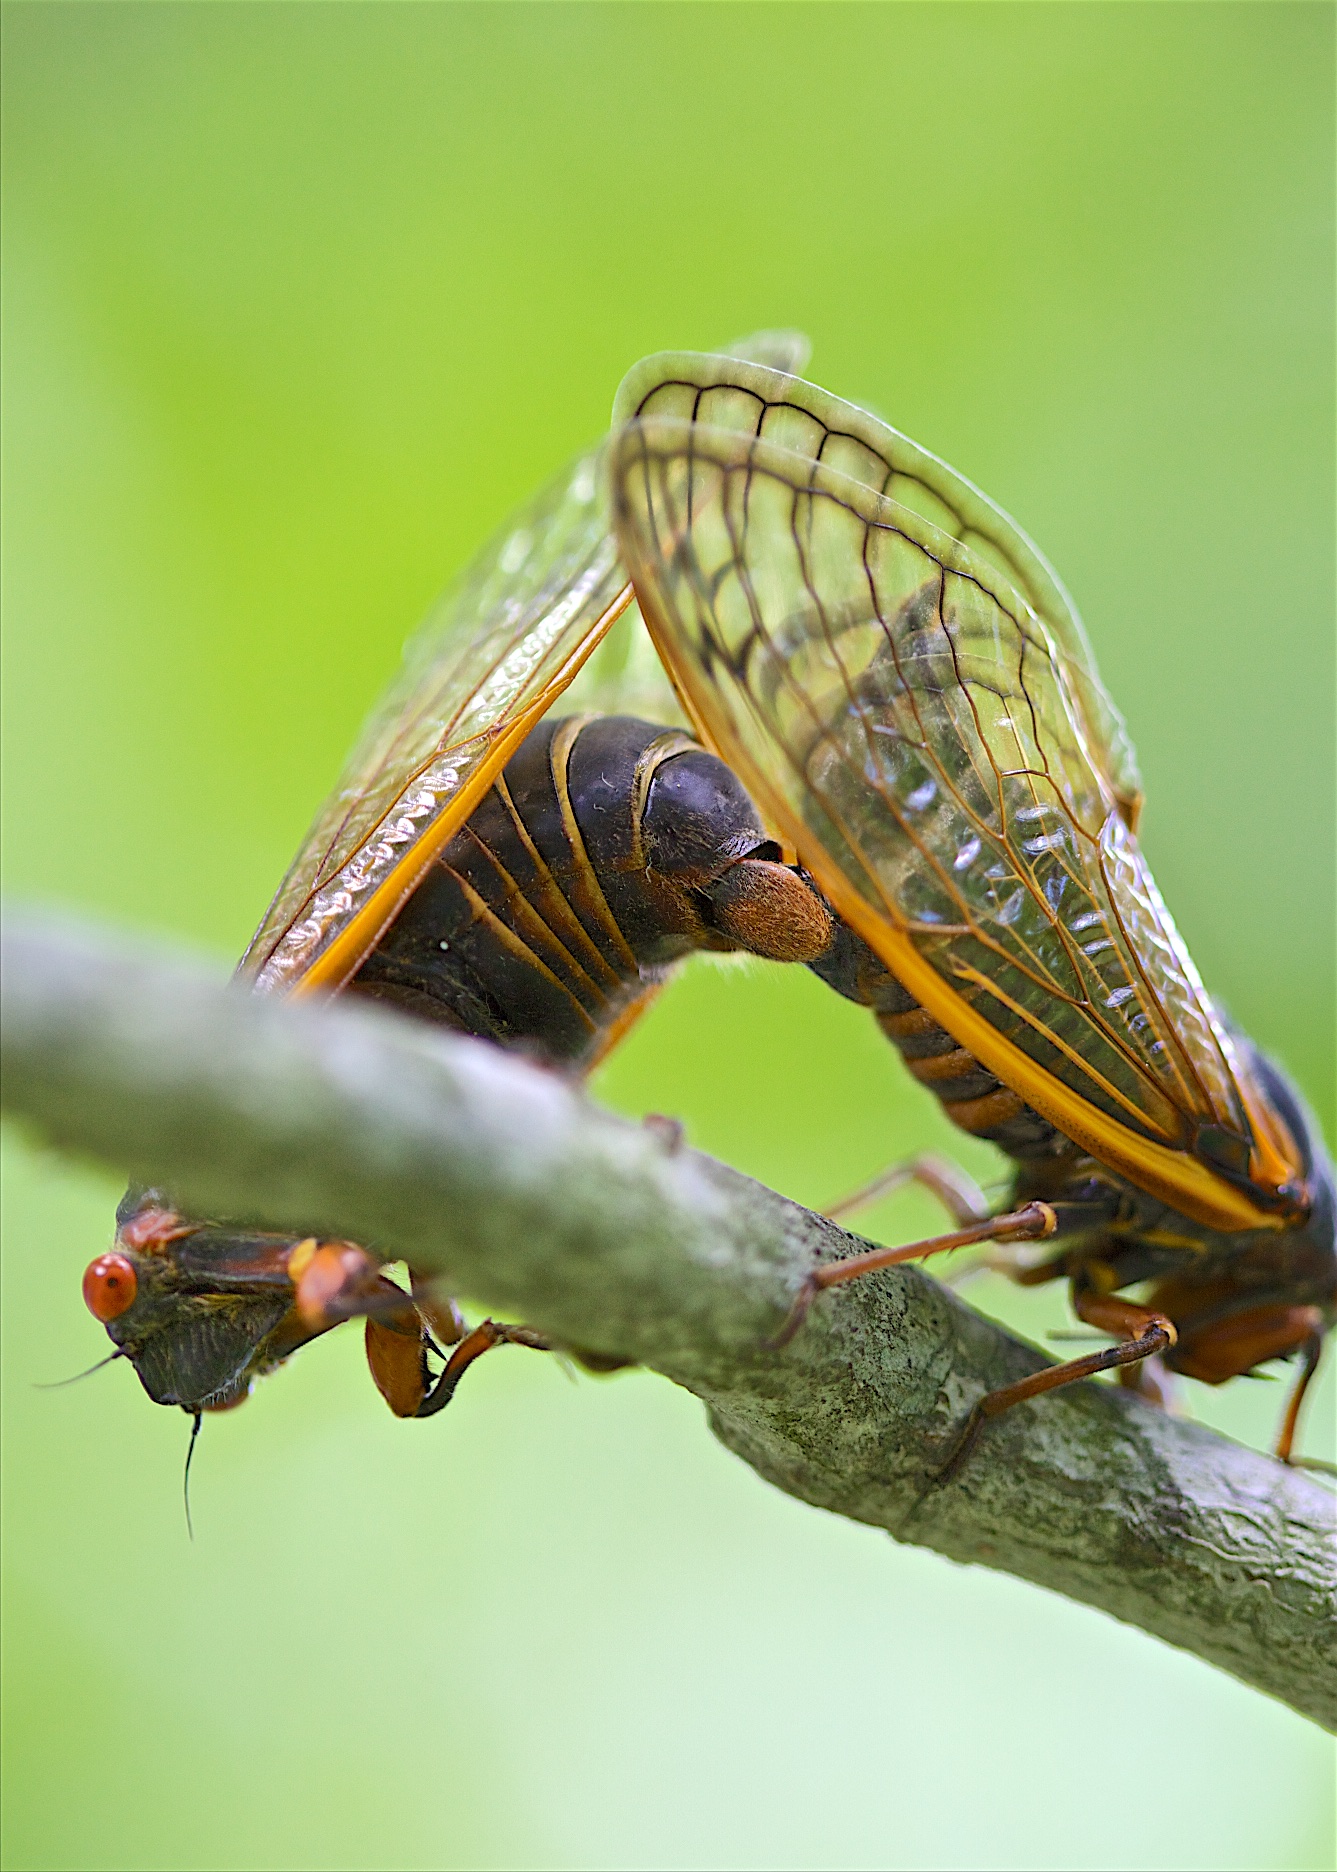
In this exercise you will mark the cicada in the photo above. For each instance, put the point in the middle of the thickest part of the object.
(903, 684)
(902, 770)
(491, 867)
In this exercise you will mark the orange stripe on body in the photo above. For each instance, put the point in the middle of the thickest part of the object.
(344, 955)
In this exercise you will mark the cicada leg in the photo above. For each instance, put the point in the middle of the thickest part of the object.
(1152, 1380)
(1030, 1223)
(1313, 1352)
(396, 1357)
(473, 1345)
(1228, 1347)
(338, 1280)
(1143, 1334)
(959, 1194)
(438, 1312)
(397, 1348)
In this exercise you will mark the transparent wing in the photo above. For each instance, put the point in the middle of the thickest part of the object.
(924, 737)
(781, 350)
(624, 676)
(502, 644)
(741, 393)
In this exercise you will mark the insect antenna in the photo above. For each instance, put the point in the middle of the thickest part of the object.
(54, 1384)
(185, 1478)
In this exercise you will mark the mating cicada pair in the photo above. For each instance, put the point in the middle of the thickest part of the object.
(886, 754)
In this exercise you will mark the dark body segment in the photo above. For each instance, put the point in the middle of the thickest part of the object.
(609, 849)
(971, 1096)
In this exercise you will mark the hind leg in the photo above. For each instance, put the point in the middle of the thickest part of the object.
(962, 1198)
(1144, 1334)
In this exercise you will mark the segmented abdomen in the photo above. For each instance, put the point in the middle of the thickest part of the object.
(971, 1095)
(570, 889)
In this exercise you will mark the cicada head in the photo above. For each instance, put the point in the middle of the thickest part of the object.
(200, 1310)
(203, 1309)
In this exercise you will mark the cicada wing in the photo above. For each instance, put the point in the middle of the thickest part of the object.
(741, 393)
(908, 720)
(499, 648)
(504, 642)
(780, 350)
(624, 676)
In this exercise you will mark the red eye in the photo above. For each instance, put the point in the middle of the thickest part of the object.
(110, 1285)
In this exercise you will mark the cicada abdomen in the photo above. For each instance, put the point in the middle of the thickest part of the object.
(608, 850)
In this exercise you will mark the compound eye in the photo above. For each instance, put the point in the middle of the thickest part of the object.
(110, 1286)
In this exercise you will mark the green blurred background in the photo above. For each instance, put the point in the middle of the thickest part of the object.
(299, 302)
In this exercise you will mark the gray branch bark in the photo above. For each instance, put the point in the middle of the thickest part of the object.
(505, 1181)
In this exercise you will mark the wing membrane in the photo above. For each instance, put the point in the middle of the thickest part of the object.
(505, 641)
(624, 676)
(741, 393)
(502, 645)
(930, 742)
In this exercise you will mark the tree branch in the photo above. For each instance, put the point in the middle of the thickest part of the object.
(503, 1179)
